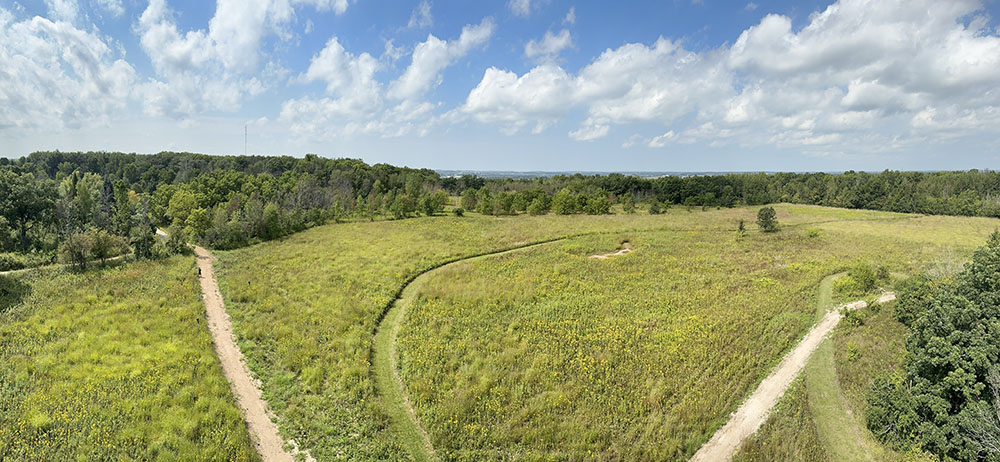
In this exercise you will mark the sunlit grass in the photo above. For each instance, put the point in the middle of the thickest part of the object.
(549, 354)
(305, 309)
(115, 364)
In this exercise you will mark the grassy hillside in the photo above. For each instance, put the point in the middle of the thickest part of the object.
(639, 357)
(551, 354)
(114, 364)
(629, 355)
(305, 311)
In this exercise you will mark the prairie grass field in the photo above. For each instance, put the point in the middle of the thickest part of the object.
(305, 311)
(873, 344)
(643, 356)
(538, 354)
(114, 364)
(546, 354)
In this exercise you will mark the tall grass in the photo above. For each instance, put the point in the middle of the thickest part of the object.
(551, 355)
(115, 364)
(305, 309)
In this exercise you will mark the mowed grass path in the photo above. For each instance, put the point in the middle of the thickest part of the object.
(551, 355)
(114, 364)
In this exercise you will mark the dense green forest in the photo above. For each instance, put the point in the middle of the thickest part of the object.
(95, 205)
(947, 399)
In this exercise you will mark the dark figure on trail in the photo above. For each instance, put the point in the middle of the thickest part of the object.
(199, 272)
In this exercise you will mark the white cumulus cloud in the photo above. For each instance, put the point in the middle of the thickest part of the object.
(433, 55)
(860, 74)
(549, 46)
(112, 6)
(214, 69)
(632, 83)
(53, 75)
(520, 7)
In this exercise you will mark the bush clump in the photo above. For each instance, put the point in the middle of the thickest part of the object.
(767, 220)
(948, 400)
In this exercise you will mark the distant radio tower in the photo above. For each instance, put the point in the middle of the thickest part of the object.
(244, 140)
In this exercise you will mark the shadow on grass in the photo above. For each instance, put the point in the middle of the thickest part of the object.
(12, 291)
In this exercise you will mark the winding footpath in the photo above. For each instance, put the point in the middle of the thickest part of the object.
(403, 418)
(248, 396)
(754, 411)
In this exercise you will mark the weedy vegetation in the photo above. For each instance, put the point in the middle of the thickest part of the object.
(114, 364)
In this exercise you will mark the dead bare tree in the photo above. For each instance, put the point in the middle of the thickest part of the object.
(983, 424)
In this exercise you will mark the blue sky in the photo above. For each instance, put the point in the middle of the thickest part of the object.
(511, 85)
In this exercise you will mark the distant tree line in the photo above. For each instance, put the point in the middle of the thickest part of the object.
(969, 193)
(231, 201)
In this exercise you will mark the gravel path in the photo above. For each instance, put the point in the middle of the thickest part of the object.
(262, 428)
(754, 411)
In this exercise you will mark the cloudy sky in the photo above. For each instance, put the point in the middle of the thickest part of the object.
(512, 85)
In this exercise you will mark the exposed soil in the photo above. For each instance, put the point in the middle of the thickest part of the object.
(754, 411)
(245, 389)
(626, 248)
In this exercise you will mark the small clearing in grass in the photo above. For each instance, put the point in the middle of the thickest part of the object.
(626, 248)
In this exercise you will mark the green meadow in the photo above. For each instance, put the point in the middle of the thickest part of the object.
(113, 364)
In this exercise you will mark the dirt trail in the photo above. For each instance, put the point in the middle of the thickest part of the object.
(626, 248)
(754, 411)
(248, 395)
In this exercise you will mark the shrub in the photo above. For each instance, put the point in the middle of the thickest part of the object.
(628, 204)
(176, 242)
(654, 208)
(538, 207)
(9, 261)
(434, 203)
(598, 205)
(854, 318)
(142, 240)
(76, 249)
(864, 277)
(469, 199)
(503, 203)
(563, 203)
(845, 285)
(459, 212)
(403, 207)
(106, 245)
(767, 220)
(484, 201)
(913, 294)
(890, 415)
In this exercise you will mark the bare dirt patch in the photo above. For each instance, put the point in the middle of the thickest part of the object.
(626, 247)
